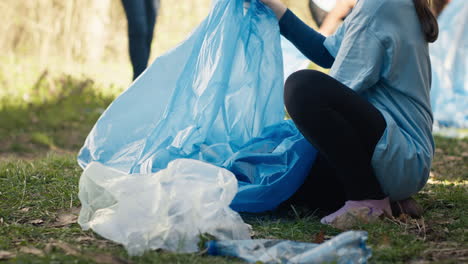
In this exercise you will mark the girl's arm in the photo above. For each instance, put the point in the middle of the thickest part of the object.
(335, 17)
(277, 6)
(306, 39)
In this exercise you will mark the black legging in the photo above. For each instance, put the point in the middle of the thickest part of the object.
(345, 128)
(141, 17)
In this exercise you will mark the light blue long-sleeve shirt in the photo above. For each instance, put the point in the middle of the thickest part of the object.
(381, 53)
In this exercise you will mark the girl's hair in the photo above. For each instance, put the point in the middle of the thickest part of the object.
(427, 19)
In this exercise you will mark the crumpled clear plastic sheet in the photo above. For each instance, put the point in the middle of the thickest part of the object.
(168, 210)
(218, 98)
(348, 247)
(449, 57)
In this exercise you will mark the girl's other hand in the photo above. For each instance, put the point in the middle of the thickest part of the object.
(277, 6)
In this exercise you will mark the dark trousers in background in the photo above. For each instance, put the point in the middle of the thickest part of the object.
(141, 17)
(345, 128)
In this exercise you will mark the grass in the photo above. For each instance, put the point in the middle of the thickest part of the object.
(55, 114)
(35, 193)
(41, 133)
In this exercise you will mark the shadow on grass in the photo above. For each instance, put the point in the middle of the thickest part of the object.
(56, 114)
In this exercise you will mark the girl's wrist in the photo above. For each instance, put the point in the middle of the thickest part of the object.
(279, 9)
(277, 6)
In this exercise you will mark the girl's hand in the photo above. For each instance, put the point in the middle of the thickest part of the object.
(277, 6)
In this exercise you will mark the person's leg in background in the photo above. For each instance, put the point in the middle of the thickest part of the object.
(138, 34)
(344, 128)
(152, 7)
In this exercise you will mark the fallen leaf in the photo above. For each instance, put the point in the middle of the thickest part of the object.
(6, 255)
(319, 237)
(108, 259)
(75, 210)
(67, 218)
(36, 222)
(103, 244)
(450, 158)
(67, 248)
(437, 252)
(84, 239)
(32, 250)
(25, 210)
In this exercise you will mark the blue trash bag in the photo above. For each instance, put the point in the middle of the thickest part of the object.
(348, 247)
(449, 57)
(217, 97)
(293, 59)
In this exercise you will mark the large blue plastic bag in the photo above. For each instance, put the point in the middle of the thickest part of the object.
(449, 56)
(218, 98)
(294, 60)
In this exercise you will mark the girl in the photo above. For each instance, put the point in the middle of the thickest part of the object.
(370, 119)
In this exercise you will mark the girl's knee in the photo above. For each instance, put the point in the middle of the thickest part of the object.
(302, 88)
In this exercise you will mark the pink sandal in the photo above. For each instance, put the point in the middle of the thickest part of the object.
(355, 212)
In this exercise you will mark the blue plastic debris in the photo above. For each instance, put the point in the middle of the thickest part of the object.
(349, 247)
(449, 57)
(218, 98)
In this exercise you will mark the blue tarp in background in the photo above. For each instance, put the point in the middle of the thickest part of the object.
(218, 98)
(449, 57)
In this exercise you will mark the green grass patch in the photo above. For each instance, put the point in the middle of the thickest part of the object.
(34, 193)
(56, 114)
